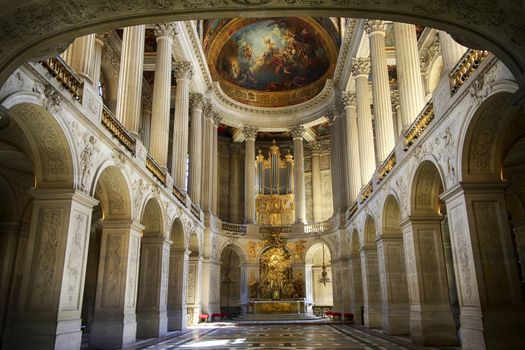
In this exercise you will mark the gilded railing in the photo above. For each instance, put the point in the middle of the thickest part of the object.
(117, 129)
(234, 229)
(419, 125)
(387, 166)
(265, 230)
(195, 210)
(465, 67)
(65, 75)
(155, 169)
(318, 227)
(367, 191)
(181, 196)
(352, 210)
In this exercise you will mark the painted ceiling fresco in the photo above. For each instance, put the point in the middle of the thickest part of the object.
(271, 62)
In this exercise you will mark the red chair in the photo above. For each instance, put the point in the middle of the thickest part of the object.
(216, 314)
(203, 318)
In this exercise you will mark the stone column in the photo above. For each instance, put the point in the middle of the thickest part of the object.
(250, 133)
(317, 199)
(380, 89)
(80, 56)
(356, 287)
(114, 322)
(451, 51)
(351, 156)
(334, 162)
(178, 275)
(207, 156)
(367, 156)
(193, 296)
(152, 320)
(371, 290)
(298, 155)
(160, 114)
(183, 73)
(196, 127)
(233, 199)
(215, 164)
(97, 56)
(431, 321)
(130, 78)
(395, 313)
(410, 85)
(50, 296)
(340, 123)
(491, 301)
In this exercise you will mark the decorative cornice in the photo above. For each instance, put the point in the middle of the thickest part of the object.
(216, 117)
(196, 100)
(249, 132)
(348, 98)
(297, 131)
(361, 66)
(165, 29)
(182, 70)
(375, 25)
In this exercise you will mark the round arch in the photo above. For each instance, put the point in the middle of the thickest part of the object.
(369, 231)
(314, 248)
(391, 216)
(426, 186)
(177, 235)
(243, 256)
(113, 193)
(153, 219)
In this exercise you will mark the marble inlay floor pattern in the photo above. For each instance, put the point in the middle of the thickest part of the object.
(276, 337)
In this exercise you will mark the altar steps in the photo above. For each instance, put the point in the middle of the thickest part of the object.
(275, 319)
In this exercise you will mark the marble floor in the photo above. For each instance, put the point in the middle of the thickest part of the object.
(295, 336)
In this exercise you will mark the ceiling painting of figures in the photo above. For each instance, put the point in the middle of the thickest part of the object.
(272, 62)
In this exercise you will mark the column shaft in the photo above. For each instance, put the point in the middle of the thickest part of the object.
(298, 154)
(249, 175)
(97, 60)
(381, 90)
(80, 56)
(352, 162)
(451, 51)
(180, 129)
(334, 164)
(160, 115)
(316, 183)
(206, 163)
(196, 132)
(234, 183)
(411, 94)
(130, 78)
(215, 164)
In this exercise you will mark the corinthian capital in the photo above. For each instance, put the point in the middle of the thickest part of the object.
(165, 29)
(361, 66)
(374, 25)
(216, 117)
(297, 131)
(394, 95)
(315, 147)
(196, 100)
(249, 132)
(182, 70)
(348, 98)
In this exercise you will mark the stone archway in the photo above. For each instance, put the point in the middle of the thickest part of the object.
(231, 281)
(321, 295)
(178, 275)
(38, 28)
(392, 273)
(370, 276)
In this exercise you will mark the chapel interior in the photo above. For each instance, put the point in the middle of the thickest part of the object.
(162, 173)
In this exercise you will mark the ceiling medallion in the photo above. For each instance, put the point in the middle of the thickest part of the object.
(273, 62)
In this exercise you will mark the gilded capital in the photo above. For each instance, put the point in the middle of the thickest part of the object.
(249, 132)
(297, 131)
(375, 25)
(348, 98)
(196, 100)
(361, 66)
(182, 70)
(165, 29)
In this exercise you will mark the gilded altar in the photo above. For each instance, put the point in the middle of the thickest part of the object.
(287, 306)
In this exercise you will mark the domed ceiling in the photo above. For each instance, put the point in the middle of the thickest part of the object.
(271, 62)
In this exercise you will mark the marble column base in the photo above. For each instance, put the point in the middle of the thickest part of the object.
(113, 333)
(152, 324)
(177, 319)
(372, 316)
(432, 325)
(396, 319)
(60, 335)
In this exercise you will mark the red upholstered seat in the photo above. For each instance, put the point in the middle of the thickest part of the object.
(203, 317)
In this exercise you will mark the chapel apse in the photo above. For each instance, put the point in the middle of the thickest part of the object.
(271, 62)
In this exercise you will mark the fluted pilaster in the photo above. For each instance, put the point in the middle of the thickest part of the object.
(250, 133)
(380, 89)
(183, 73)
(160, 112)
(196, 131)
(352, 162)
(299, 191)
(207, 155)
(411, 94)
(451, 51)
(334, 161)
(317, 199)
(367, 158)
(215, 163)
(130, 78)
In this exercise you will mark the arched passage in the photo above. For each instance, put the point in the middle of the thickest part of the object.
(193, 297)
(319, 259)
(370, 275)
(392, 273)
(431, 320)
(230, 298)
(152, 319)
(178, 273)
